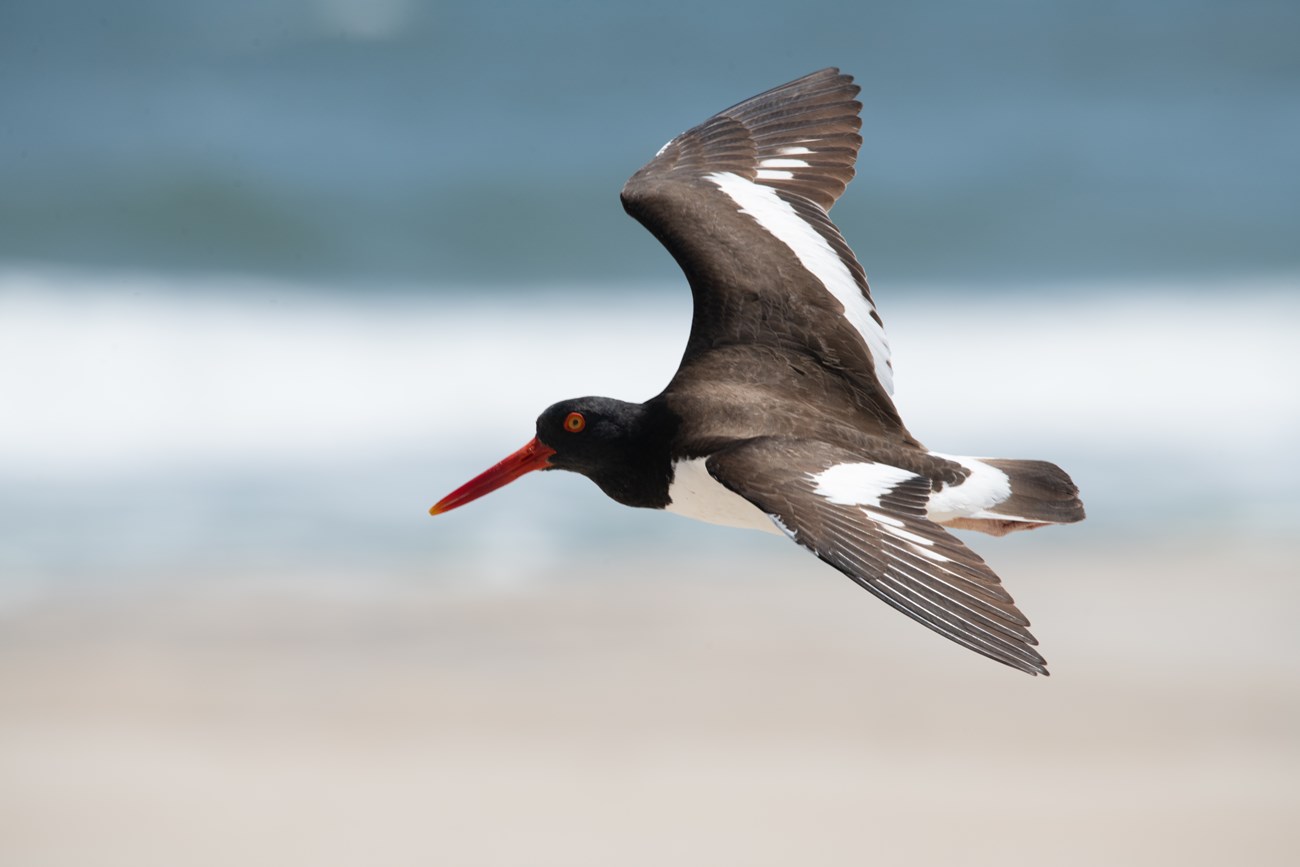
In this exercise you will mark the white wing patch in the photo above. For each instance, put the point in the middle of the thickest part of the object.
(984, 488)
(864, 485)
(775, 215)
(858, 484)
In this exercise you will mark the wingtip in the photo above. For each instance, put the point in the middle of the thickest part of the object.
(1033, 667)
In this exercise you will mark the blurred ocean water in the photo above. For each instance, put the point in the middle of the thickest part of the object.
(274, 276)
(446, 144)
(153, 426)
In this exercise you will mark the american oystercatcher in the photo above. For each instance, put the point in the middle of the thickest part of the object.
(779, 417)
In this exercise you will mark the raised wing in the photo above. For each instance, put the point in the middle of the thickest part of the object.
(868, 521)
(741, 202)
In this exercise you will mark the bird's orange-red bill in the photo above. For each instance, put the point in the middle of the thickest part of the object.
(536, 455)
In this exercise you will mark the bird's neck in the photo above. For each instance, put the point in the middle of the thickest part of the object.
(641, 476)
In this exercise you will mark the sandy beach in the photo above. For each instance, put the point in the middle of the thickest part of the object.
(772, 718)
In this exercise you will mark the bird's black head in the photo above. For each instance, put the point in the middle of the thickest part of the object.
(589, 433)
(622, 447)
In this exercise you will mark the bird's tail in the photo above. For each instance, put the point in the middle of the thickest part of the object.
(1041, 494)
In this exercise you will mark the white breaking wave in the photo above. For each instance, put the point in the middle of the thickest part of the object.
(1122, 369)
(145, 423)
(104, 375)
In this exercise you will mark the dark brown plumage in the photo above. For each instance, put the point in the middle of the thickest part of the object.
(780, 415)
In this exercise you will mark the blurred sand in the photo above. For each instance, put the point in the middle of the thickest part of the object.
(783, 717)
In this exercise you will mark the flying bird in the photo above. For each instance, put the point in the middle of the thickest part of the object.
(779, 417)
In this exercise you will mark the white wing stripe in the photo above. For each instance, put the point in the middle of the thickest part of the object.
(885, 523)
(775, 215)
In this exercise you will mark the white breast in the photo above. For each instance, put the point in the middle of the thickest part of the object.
(696, 494)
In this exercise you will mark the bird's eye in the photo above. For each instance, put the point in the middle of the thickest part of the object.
(574, 422)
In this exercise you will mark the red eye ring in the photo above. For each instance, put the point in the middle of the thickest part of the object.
(574, 422)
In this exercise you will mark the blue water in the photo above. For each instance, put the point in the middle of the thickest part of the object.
(444, 144)
(275, 275)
